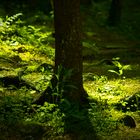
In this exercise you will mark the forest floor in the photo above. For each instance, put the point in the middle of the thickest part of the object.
(101, 45)
(11, 62)
(112, 45)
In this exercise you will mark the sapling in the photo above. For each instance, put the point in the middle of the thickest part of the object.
(119, 68)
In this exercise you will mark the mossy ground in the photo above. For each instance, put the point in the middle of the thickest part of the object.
(104, 88)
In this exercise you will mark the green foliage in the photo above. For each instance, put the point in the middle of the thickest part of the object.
(104, 88)
(95, 77)
(119, 68)
(51, 115)
(76, 119)
(10, 112)
(90, 49)
(46, 50)
(14, 32)
(103, 91)
(60, 83)
(101, 119)
(13, 108)
(99, 12)
(8, 28)
(130, 103)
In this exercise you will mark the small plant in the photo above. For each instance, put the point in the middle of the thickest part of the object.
(15, 18)
(14, 32)
(11, 111)
(89, 49)
(14, 107)
(119, 68)
(51, 115)
(60, 83)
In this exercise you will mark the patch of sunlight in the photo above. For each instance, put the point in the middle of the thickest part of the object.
(37, 77)
(32, 68)
(7, 73)
(42, 59)
(132, 86)
(33, 76)
(27, 47)
(90, 33)
(112, 90)
(6, 50)
(27, 56)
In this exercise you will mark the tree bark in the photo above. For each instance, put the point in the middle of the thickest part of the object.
(68, 51)
(68, 55)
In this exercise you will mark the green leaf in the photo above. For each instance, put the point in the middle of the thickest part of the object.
(116, 58)
(120, 72)
(113, 71)
(127, 67)
(86, 44)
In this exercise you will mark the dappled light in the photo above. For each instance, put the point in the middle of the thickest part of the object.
(69, 70)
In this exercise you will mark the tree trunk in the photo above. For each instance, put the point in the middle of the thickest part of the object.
(115, 13)
(68, 50)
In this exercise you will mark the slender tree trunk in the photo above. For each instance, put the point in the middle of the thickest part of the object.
(115, 13)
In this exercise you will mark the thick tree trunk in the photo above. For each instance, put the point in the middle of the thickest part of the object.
(68, 55)
(115, 13)
(68, 51)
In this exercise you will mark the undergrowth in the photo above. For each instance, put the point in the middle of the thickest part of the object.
(27, 51)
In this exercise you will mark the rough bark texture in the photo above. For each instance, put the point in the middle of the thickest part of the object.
(115, 12)
(68, 51)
